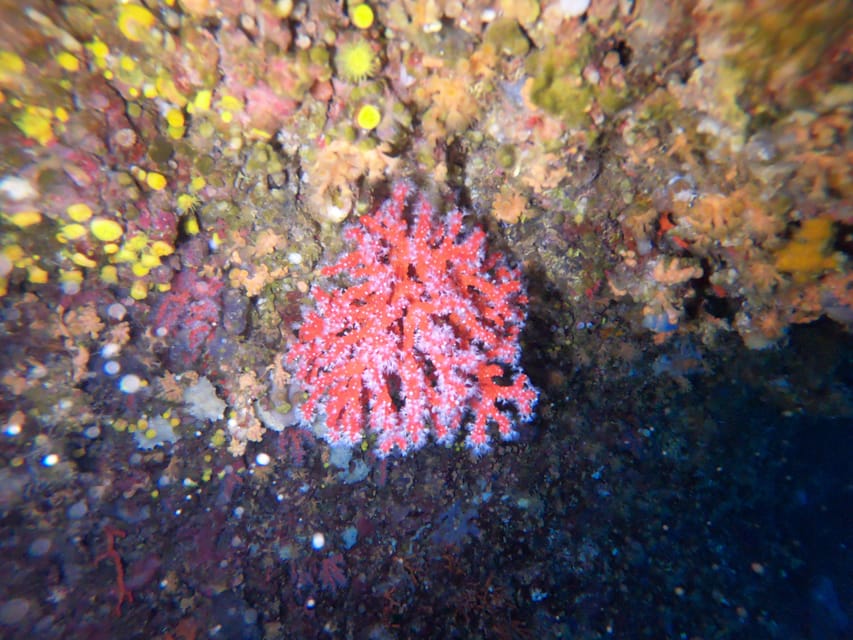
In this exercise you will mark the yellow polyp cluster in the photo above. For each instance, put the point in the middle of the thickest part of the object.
(106, 230)
(156, 181)
(168, 90)
(362, 16)
(161, 249)
(139, 290)
(131, 248)
(176, 133)
(228, 105)
(201, 102)
(11, 62)
(13, 256)
(191, 227)
(131, 74)
(135, 21)
(142, 256)
(11, 67)
(36, 123)
(368, 117)
(82, 260)
(356, 61)
(176, 124)
(218, 438)
(187, 202)
(143, 266)
(175, 118)
(67, 61)
(808, 253)
(132, 71)
(71, 276)
(139, 425)
(79, 212)
(24, 219)
(109, 274)
(99, 51)
(98, 48)
(36, 274)
(72, 231)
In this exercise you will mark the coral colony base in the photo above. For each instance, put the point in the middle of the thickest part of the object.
(423, 341)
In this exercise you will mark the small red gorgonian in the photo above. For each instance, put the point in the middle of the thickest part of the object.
(423, 340)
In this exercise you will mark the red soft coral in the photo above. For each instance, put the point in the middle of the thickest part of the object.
(425, 339)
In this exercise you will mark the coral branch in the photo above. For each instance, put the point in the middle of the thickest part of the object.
(112, 554)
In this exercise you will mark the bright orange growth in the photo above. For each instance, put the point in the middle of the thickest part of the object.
(808, 253)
